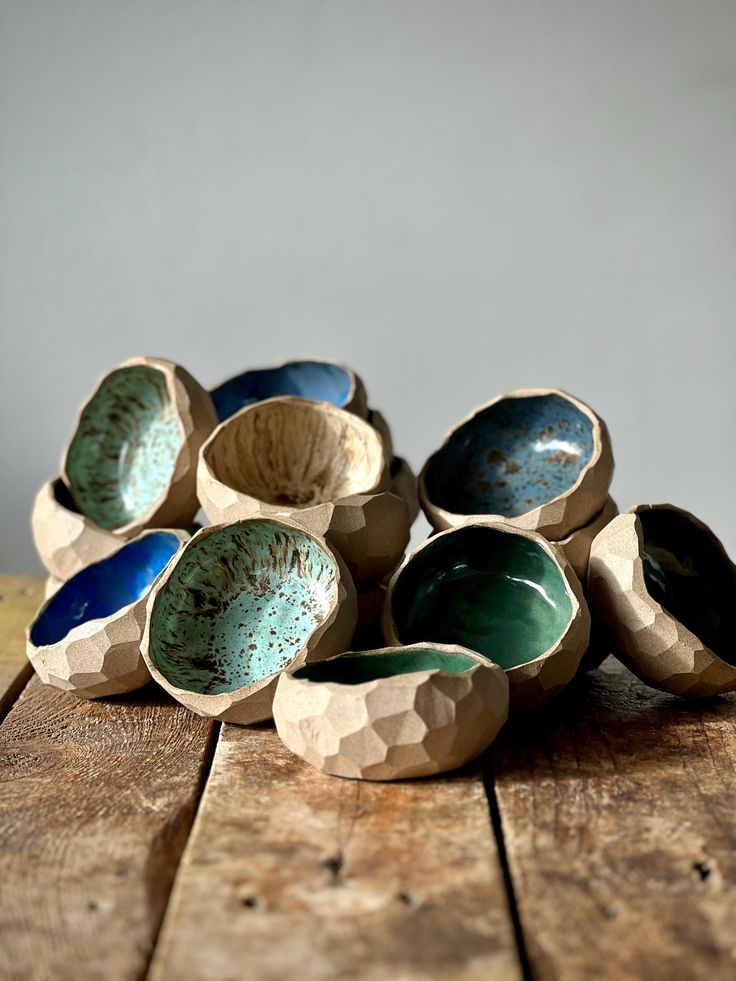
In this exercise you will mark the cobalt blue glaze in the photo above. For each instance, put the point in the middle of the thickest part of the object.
(511, 457)
(305, 379)
(105, 587)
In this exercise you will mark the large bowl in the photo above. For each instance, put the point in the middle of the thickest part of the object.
(392, 713)
(243, 602)
(86, 637)
(664, 586)
(507, 594)
(537, 459)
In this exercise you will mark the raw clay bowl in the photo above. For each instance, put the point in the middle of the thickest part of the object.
(243, 602)
(322, 381)
(86, 638)
(538, 459)
(508, 594)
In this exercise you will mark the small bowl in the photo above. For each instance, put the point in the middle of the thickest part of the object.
(322, 381)
(663, 585)
(392, 713)
(131, 463)
(576, 545)
(86, 637)
(404, 485)
(508, 594)
(242, 602)
(311, 463)
(537, 459)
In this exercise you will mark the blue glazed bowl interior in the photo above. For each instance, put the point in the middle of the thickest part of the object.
(304, 379)
(512, 457)
(105, 587)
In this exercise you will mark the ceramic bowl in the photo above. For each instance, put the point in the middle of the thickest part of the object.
(404, 485)
(576, 545)
(322, 381)
(132, 460)
(509, 594)
(392, 713)
(242, 602)
(86, 637)
(312, 463)
(538, 459)
(664, 586)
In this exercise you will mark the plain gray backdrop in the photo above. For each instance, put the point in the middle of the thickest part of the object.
(456, 198)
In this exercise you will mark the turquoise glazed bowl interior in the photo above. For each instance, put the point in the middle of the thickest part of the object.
(354, 669)
(511, 457)
(687, 572)
(494, 592)
(105, 587)
(123, 454)
(315, 380)
(239, 605)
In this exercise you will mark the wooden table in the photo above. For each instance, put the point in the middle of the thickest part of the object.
(597, 840)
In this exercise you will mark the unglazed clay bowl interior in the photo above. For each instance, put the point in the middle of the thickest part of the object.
(318, 380)
(123, 453)
(239, 605)
(496, 593)
(102, 589)
(355, 669)
(296, 453)
(511, 457)
(686, 572)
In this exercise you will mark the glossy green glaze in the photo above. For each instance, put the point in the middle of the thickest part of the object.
(494, 592)
(239, 605)
(354, 669)
(123, 454)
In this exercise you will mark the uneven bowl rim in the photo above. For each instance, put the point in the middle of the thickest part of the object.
(601, 443)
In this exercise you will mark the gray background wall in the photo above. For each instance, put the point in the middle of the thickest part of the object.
(457, 198)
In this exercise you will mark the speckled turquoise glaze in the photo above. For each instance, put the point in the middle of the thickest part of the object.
(512, 457)
(239, 605)
(496, 593)
(306, 379)
(354, 669)
(123, 454)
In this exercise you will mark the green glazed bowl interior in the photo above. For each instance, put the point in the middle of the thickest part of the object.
(494, 592)
(123, 454)
(691, 577)
(354, 669)
(239, 605)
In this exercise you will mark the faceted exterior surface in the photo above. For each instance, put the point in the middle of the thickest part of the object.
(408, 725)
(577, 545)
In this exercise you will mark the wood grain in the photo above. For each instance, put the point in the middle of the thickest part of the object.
(20, 597)
(290, 873)
(618, 807)
(97, 799)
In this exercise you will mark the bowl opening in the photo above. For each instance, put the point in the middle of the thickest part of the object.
(511, 457)
(295, 454)
(124, 451)
(491, 591)
(316, 380)
(689, 575)
(105, 587)
(239, 605)
(354, 669)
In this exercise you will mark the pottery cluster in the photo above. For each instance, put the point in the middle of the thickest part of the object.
(297, 601)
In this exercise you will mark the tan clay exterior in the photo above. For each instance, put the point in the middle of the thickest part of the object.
(577, 545)
(408, 725)
(650, 641)
(565, 513)
(404, 483)
(253, 703)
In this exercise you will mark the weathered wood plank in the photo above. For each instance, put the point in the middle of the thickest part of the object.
(20, 597)
(618, 807)
(96, 802)
(290, 873)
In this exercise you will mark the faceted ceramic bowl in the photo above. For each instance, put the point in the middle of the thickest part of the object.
(243, 602)
(506, 593)
(538, 459)
(312, 463)
(576, 545)
(132, 461)
(86, 637)
(321, 381)
(664, 586)
(392, 713)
